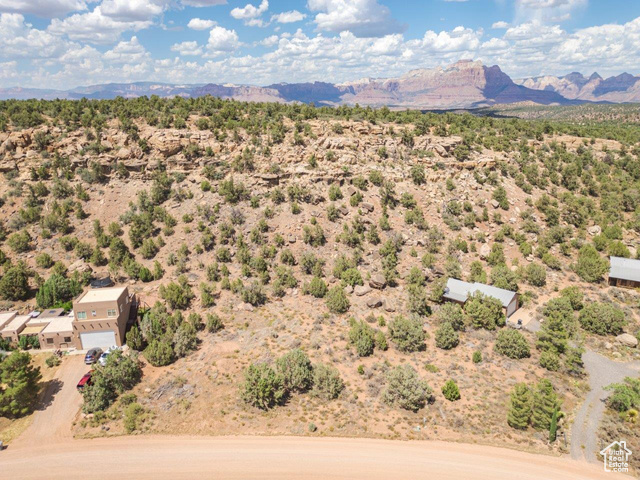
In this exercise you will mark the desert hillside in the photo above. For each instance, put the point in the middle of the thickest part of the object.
(295, 259)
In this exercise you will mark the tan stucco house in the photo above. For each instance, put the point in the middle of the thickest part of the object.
(100, 317)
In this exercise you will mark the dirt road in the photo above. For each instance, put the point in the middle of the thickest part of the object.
(282, 458)
(602, 372)
(59, 406)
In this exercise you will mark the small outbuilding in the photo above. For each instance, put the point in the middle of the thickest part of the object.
(624, 272)
(459, 292)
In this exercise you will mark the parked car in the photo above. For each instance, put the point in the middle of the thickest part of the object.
(85, 380)
(103, 359)
(92, 356)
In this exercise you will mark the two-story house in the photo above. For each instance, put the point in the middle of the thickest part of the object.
(100, 317)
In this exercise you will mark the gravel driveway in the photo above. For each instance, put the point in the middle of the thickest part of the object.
(602, 372)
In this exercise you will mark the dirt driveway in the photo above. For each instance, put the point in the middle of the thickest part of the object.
(60, 404)
(284, 458)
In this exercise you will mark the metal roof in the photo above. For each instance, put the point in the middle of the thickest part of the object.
(624, 268)
(459, 291)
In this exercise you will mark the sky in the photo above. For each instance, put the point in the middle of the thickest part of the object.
(62, 44)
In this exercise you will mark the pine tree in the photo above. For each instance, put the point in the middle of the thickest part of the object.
(553, 335)
(521, 407)
(18, 384)
(545, 403)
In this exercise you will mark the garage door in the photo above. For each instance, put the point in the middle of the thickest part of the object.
(98, 339)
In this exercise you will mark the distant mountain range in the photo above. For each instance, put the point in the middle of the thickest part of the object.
(624, 88)
(464, 84)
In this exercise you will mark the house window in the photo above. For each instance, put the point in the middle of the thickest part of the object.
(111, 312)
(81, 315)
(67, 339)
(49, 340)
(93, 313)
(120, 308)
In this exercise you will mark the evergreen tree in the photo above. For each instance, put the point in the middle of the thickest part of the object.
(553, 335)
(18, 384)
(545, 403)
(520, 409)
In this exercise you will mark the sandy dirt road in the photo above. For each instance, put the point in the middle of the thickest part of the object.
(282, 458)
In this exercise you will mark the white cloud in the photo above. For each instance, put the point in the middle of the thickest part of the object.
(289, 17)
(95, 27)
(127, 52)
(201, 24)
(222, 40)
(203, 3)
(269, 41)
(500, 25)
(133, 10)
(552, 11)
(364, 18)
(187, 48)
(21, 40)
(250, 13)
(42, 8)
(544, 3)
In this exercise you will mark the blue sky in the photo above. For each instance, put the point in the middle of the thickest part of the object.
(66, 43)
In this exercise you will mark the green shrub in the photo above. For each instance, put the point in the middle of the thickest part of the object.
(405, 389)
(451, 313)
(512, 344)
(263, 387)
(446, 337)
(407, 334)
(133, 416)
(550, 360)
(337, 301)
(484, 311)
(327, 383)
(295, 369)
(536, 275)
(159, 353)
(477, 356)
(214, 323)
(316, 288)
(184, 340)
(451, 391)
(14, 283)
(590, 265)
(361, 336)
(602, 319)
(177, 295)
(53, 361)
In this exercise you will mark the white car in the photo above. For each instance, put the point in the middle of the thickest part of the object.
(103, 358)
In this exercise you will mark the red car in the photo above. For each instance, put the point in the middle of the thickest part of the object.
(85, 380)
